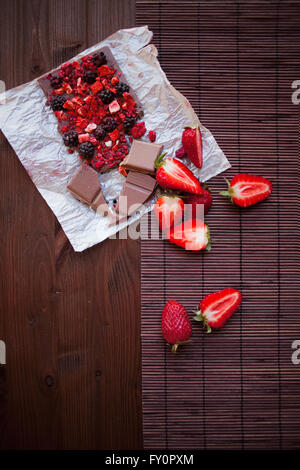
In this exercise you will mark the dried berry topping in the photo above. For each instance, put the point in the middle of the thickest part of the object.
(99, 133)
(90, 77)
(122, 88)
(71, 139)
(99, 59)
(128, 123)
(109, 124)
(106, 96)
(86, 150)
(56, 82)
(57, 102)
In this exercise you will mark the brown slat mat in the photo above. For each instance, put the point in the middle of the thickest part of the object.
(236, 388)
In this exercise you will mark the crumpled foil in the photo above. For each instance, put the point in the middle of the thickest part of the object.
(31, 129)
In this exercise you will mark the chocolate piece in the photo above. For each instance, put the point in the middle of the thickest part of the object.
(142, 156)
(85, 186)
(136, 190)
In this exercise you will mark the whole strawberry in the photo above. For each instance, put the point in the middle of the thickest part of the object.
(192, 144)
(195, 200)
(175, 324)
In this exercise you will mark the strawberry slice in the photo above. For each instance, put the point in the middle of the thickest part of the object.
(174, 174)
(216, 308)
(192, 144)
(191, 235)
(246, 190)
(169, 211)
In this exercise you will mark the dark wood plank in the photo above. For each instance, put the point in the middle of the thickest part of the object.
(71, 321)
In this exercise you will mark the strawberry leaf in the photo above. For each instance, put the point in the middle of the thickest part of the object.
(159, 160)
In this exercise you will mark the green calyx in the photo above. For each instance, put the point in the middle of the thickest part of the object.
(208, 246)
(174, 347)
(200, 317)
(160, 160)
(228, 193)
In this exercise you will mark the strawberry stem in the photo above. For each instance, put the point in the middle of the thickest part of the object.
(200, 317)
(229, 192)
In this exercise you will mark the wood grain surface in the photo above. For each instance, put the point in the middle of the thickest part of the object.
(71, 321)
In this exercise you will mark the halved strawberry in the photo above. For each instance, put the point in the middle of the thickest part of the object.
(216, 308)
(192, 144)
(246, 190)
(174, 174)
(169, 211)
(191, 235)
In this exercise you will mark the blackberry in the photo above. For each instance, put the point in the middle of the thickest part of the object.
(70, 138)
(106, 96)
(128, 123)
(55, 82)
(86, 150)
(109, 124)
(99, 133)
(57, 102)
(99, 59)
(90, 77)
(122, 88)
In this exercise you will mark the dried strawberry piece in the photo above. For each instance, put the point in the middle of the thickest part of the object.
(105, 70)
(59, 91)
(69, 104)
(96, 87)
(91, 127)
(82, 111)
(82, 123)
(114, 135)
(83, 138)
(114, 81)
(61, 116)
(114, 107)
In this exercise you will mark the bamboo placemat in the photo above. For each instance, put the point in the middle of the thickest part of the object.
(236, 388)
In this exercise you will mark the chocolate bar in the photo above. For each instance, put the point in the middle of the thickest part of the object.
(94, 107)
(137, 188)
(85, 187)
(142, 156)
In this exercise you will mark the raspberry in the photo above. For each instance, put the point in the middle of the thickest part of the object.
(152, 136)
(180, 153)
(138, 130)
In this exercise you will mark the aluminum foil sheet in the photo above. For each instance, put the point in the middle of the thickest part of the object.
(31, 129)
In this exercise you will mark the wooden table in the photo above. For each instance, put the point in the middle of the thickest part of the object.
(70, 321)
